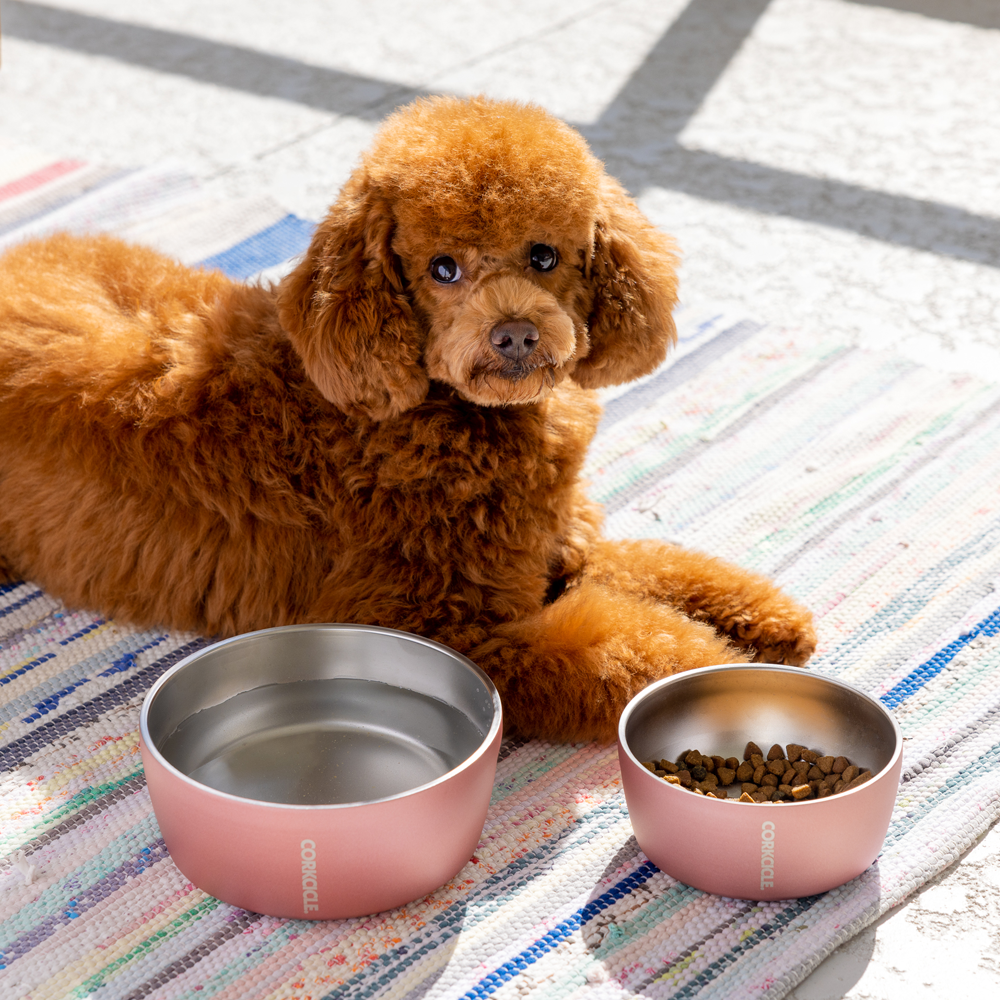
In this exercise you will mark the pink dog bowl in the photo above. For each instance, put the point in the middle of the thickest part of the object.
(321, 771)
(750, 850)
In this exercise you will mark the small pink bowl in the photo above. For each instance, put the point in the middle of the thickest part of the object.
(321, 771)
(758, 851)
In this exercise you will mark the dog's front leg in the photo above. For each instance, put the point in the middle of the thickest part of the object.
(567, 671)
(749, 609)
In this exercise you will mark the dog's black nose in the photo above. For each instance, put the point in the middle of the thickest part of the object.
(514, 339)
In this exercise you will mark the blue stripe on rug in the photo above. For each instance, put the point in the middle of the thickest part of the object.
(481, 903)
(493, 981)
(19, 750)
(33, 596)
(914, 681)
(268, 248)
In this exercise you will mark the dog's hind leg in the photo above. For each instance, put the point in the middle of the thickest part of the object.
(567, 671)
(747, 608)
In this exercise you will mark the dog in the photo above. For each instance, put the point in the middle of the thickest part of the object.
(392, 435)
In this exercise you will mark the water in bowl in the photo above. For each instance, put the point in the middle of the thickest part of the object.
(316, 742)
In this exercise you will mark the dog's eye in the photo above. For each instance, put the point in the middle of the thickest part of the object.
(543, 258)
(445, 270)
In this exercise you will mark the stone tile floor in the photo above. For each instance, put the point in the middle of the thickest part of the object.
(824, 164)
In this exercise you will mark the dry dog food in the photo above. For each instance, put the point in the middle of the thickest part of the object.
(792, 773)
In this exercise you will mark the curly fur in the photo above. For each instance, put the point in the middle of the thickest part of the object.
(181, 450)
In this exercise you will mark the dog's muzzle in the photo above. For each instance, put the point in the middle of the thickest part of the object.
(514, 339)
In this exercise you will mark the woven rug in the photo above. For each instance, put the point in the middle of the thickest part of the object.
(866, 484)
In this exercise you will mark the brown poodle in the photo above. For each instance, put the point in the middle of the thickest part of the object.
(394, 435)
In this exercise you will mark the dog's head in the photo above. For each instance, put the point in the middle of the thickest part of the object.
(481, 244)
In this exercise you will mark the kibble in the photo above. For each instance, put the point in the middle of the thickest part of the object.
(792, 774)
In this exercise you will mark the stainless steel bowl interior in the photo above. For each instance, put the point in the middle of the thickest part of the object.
(325, 714)
(717, 710)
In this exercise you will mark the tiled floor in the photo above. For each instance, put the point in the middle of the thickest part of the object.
(824, 164)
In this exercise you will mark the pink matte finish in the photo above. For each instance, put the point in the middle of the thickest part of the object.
(322, 862)
(757, 851)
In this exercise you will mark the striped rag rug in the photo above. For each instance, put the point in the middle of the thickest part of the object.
(866, 484)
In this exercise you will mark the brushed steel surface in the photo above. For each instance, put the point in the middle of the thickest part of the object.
(718, 710)
(336, 740)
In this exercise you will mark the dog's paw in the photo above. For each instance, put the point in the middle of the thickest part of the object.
(794, 653)
(788, 641)
(763, 622)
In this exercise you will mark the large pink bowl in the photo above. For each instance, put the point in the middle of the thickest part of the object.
(321, 771)
(750, 850)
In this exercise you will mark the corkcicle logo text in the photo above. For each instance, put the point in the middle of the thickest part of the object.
(767, 855)
(310, 886)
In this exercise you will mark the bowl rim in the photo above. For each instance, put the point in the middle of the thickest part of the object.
(487, 741)
(651, 689)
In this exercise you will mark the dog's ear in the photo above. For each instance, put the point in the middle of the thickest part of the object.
(632, 274)
(346, 312)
